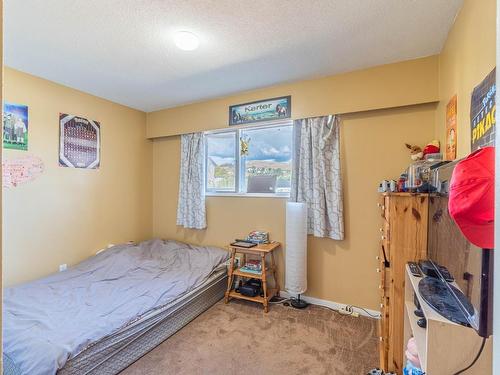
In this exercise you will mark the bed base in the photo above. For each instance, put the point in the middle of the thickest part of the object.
(115, 353)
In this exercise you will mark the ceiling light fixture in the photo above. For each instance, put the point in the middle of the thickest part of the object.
(186, 40)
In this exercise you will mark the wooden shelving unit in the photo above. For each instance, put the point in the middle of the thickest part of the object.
(444, 347)
(403, 238)
(260, 251)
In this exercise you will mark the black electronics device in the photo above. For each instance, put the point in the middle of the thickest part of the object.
(414, 269)
(428, 268)
(446, 274)
(245, 244)
(452, 256)
(240, 240)
(432, 270)
(442, 297)
(251, 288)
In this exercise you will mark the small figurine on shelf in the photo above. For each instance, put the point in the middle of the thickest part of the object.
(432, 147)
(416, 152)
(402, 182)
(432, 151)
(413, 366)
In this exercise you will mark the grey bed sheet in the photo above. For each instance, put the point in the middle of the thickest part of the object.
(114, 353)
(52, 319)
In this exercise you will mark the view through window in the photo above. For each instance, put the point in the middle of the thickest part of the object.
(253, 160)
(221, 162)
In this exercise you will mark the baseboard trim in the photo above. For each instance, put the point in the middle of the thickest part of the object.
(334, 305)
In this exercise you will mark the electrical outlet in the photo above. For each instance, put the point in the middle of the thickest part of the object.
(348, 310)
(63, 267)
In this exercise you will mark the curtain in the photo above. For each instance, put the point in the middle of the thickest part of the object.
(316, 178)
(191, 204)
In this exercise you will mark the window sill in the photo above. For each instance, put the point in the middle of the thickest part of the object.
(248, 195)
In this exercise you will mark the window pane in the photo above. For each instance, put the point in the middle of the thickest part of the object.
(221, 161)
(267, 166)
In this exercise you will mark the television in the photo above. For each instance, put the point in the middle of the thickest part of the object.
(470, 266)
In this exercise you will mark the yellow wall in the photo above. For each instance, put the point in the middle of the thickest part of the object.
(467, 57)
(65, 215)
(385, 86)
(372, 149)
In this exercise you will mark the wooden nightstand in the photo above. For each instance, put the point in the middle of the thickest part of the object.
(260, 250)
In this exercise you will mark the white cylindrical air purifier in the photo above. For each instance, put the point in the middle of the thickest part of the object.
(296, 251)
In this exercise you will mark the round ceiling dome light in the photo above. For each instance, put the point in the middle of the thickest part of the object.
(186, 40)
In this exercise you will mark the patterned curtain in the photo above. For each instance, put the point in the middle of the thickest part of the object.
(191, 205)
(316, 178)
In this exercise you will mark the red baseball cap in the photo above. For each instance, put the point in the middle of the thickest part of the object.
(472, 197)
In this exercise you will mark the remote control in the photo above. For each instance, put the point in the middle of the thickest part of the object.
(414, 269)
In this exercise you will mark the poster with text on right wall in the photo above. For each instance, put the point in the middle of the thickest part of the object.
(482, 113)
(451, 129)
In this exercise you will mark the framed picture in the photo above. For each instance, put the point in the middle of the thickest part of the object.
(262, 110)
(79, 142)
(15, 126)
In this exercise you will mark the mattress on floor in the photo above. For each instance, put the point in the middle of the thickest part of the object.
(114, 353)
(51, 320)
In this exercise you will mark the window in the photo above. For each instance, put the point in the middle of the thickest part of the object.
(221, 162)
(252, 160)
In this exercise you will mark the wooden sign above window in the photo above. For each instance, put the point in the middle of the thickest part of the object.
(259, 111)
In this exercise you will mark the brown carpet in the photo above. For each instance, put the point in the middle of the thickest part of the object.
(239, 338)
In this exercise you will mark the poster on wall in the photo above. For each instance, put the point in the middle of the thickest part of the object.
(15, 126)
(79, 142)
(482, 113)
(451, 129)
(262, 110)
(21, 170)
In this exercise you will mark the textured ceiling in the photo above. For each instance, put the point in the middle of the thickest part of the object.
(122, 50)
